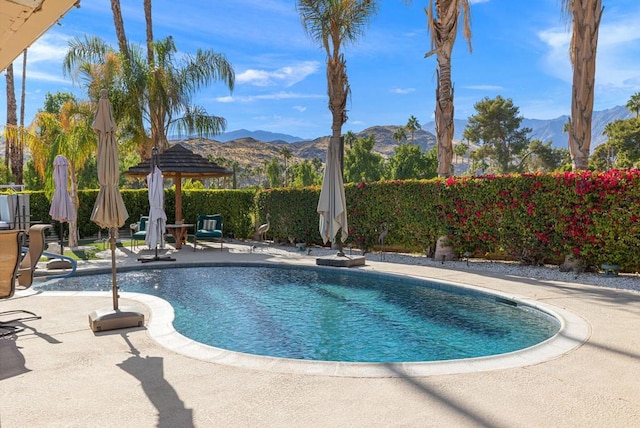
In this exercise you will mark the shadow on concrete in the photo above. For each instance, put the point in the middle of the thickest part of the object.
(473, 418)
(150, 372)
(13, 362)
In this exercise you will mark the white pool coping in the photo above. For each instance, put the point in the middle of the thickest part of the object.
(574, 331)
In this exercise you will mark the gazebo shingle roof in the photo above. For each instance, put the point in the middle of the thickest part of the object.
(180, 161)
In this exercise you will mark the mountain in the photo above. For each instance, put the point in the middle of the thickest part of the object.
(266, 136)
(251, 152)
(552, 129)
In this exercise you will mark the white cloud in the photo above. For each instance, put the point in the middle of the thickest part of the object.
(301, 109)
(274, 96)
(48, 48)
(288, 76)
(618, 63)
(402, 91)
(44, 57)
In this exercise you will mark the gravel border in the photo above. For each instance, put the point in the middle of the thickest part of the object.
(547, 273)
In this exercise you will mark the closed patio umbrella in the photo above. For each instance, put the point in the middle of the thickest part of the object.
(332, 205)
(156, 225)
(109, 212)
(61, 206)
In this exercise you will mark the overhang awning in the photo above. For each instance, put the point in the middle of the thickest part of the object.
(22, 22)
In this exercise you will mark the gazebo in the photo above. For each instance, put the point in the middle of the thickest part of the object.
(177, 163)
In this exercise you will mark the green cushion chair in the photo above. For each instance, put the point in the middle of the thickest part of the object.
(208, 228)
(139, 231)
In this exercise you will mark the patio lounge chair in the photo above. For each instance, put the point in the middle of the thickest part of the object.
(33, 254)
(10, 251)
(208, 228)
(139, 231)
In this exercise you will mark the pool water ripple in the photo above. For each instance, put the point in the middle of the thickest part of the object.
(331, 315)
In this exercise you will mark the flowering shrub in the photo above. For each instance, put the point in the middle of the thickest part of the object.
(532, 218)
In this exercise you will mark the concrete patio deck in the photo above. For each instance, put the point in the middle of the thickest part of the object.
(58, 373)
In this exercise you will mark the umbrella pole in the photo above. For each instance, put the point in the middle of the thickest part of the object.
(108, 319)
(61, 236)
(114, 281)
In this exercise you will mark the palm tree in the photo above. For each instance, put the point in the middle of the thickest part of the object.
(399, 135)
(633, 105)
(119, 25)
(332, 23)
(585, 16)
(412, 126)
(159, 97)
(286, 155)
(350, 138)
(68, 133)
(14, 133)
(442, 22)
(12, 120)
(149, 26)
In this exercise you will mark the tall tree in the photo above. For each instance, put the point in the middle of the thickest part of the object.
(67, 132)
(19, 153)
(412, 126)
(633, 105)
(119, 25)
(12, 119)
(149, 26)
(332, 23)
(585, 16)
(286, 155)
(399, 135)
(161, 98)
(496, 127)
(442, 22)
(361, 163)
(408, 162)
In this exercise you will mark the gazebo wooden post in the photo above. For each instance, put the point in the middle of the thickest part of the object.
(178, 183)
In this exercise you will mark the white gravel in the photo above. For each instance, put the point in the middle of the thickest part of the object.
(547, 273)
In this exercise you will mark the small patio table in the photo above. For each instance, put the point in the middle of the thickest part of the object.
(179, 232)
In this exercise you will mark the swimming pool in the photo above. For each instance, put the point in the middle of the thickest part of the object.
(332, 315)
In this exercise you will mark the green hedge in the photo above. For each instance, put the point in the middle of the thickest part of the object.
(532, 218)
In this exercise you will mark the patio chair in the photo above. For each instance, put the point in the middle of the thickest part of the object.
(139, 231)
(208, 228)
(32, 255)
(10, 251)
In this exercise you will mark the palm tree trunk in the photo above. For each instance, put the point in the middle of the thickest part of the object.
(338, 89)
(584, 43)
(20, 141)
(12, 120)
(147, 17)
(119, 25)
(444, 36)
(444, 120)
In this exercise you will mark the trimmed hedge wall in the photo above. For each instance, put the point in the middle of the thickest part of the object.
(532, 218)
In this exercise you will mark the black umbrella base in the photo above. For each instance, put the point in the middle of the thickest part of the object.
(114, 319)
(147, 259)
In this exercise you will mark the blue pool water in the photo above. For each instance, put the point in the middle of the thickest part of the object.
(331, 314)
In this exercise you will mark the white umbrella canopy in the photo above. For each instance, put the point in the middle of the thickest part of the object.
(109, 210)
(157, 216)
(61, 206)
(332, 205)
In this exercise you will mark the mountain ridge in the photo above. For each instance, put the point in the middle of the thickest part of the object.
(250, 152)
(542, 129)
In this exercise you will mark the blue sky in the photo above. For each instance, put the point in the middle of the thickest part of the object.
(520, 51)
